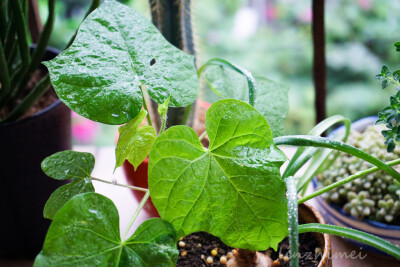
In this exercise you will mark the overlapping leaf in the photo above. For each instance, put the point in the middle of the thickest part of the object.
(134, 143)
(115, 51)
(232, 190)
(64, 165)
(271, 97)
(85, 232)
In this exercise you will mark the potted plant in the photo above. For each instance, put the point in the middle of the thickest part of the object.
(233, 189)
(33, 125)
(373, 205)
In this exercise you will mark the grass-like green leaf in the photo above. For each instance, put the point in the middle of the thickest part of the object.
(116, 50)
(134, 143)
(232, 190)
(311, 141)
(85, 232)
(362, 237)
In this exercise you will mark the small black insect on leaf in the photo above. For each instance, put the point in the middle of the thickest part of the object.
(152, 62)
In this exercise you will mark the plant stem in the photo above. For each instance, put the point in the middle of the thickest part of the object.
(345, 180)
(145, 106)
(139, 208)
(164, 122)
(293, 218)
(250, 79)
(201, 137)
(312, 141)
(122, 185)
(3, 20)
(393, 80)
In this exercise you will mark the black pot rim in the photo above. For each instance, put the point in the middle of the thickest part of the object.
(55, 52)
(34, 116)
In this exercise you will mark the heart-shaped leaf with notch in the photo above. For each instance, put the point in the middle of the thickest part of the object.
(116, 50)
(233, 190)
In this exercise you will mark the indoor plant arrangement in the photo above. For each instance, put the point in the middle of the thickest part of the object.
(232, 189)
(33, 122)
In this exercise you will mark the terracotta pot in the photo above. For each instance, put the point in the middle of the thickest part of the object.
(308, 214)
(25, 188)
(139, 178)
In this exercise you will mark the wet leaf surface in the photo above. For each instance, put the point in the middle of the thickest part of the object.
(116, 50)
(85, 232)
(233, 190)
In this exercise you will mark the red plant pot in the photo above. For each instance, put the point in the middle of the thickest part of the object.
(139, 178)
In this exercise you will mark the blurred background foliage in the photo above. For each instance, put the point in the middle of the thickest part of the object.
(272, 38)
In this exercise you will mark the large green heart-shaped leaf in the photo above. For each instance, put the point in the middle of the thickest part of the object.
(134, 143)
(232, 190)
(63, 165)
(85, 232)
(271, 97)
(116, 50)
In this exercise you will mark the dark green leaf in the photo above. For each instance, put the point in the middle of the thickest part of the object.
(397, 45)
(385, 83)
(68, 165)
(385, 71)
(232, 190)
(134, 143)
(85, 232)
(64, 193)
(115, 51)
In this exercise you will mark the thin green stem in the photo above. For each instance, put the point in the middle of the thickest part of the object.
(312, 141)
(145, 105)
(345, 180)
(122, 185)
(293, 218)
(359, 236)
(249, 77)
(164, 122)
(201, 137)
(132, 220)
(393, 80)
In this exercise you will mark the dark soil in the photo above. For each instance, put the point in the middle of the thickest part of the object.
(198, 247)
(46, 100)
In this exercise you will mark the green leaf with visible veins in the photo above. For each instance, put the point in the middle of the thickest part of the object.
(85, 232)
(64, 165)
(232, 190)
(271, 97)
(134, 143)
(116, 50)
